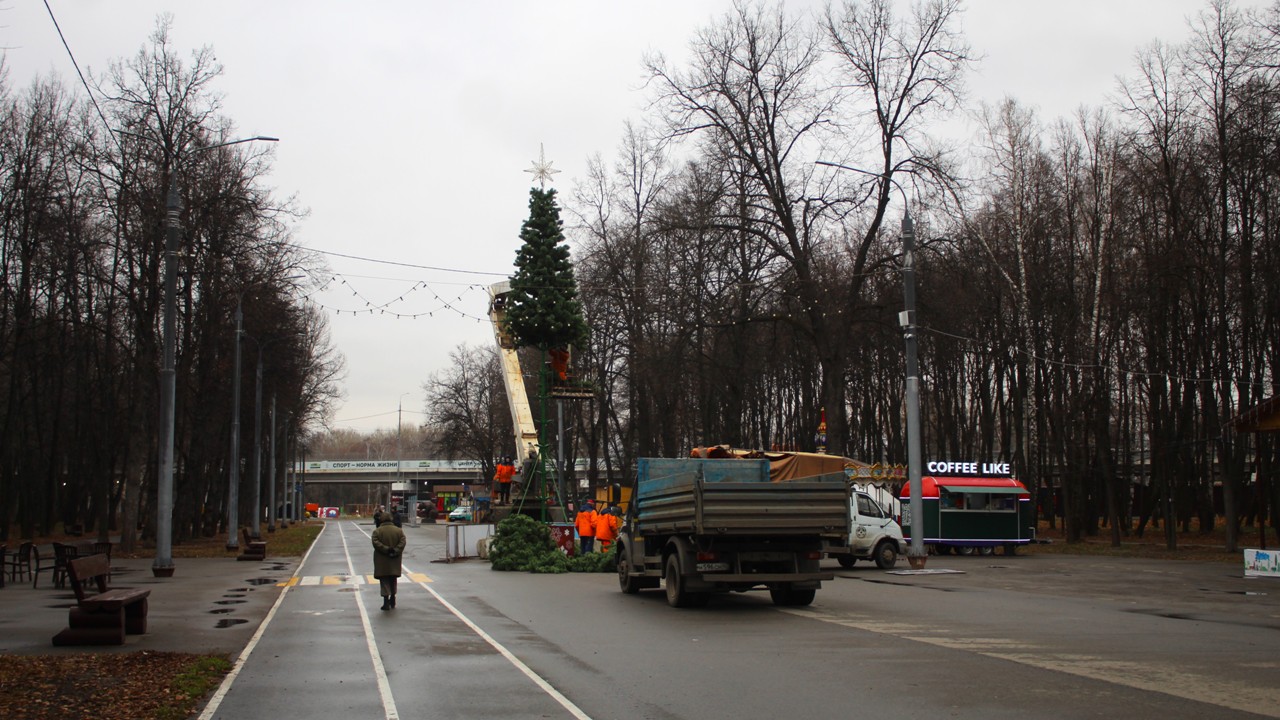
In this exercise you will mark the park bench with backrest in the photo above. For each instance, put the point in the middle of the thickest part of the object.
(252, 549)
(104, 617)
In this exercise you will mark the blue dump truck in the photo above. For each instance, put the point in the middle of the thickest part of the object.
(699, 526)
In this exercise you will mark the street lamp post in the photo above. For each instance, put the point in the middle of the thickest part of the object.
(302, 482)
(257, 449)
(908, 322)
(256, 531)
(286, 492)
(163, 565)
(271, 474)
(233, 489)
(399, 454)
(907, 319)
(233, 482)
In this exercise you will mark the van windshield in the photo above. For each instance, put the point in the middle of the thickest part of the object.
(869, 507)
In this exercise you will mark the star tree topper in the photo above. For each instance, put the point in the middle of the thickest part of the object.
(541, 169)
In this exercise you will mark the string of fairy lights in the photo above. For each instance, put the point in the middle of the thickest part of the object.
(452, 301)
(361, 303)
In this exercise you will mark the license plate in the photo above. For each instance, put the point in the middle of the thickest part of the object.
(713, 567)
(766, 556)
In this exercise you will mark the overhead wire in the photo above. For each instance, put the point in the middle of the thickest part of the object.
(101, 115)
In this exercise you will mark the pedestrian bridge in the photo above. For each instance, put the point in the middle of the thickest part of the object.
(450, 472)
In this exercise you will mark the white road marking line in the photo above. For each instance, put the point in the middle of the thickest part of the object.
(1157, 678)
(565, 702)
(384, 687)
(225, 687)
(537, 679)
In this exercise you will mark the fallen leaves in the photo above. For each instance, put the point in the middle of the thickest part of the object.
(107, 686)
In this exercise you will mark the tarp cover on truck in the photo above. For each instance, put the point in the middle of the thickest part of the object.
(784, 465)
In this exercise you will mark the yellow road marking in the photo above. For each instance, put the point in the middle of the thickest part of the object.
(309, 580)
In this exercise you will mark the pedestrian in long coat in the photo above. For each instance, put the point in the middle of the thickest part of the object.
(388, 546)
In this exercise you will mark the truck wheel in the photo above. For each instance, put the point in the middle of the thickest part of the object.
(677, 595)
(966, 550)
(1010, 549)
(846, 561)
(629, 585)
(986, 550)
(787, 596)
(886, 555)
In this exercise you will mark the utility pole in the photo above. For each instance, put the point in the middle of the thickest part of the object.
(271, 474)
(233, 489)
(163, 565)
(560, 452)
(908, 322)
(256, 532)
(399, 417)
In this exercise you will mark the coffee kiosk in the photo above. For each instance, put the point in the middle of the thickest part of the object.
(972, 507)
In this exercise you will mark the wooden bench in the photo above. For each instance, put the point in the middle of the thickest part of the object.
(106, 617)
(251, 549)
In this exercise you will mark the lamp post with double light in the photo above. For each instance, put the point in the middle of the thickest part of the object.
(163, 565)
(256, 529)
(233, 482)
(907, 319)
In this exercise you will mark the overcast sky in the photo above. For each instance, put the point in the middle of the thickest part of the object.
(406, 127)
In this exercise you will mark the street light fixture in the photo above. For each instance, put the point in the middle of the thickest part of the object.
(256, 532)
(163, 565)
(409, 497)
(907, 319)
(271, 473)
(233, 482)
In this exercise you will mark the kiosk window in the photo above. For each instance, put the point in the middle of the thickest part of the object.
(997, 499)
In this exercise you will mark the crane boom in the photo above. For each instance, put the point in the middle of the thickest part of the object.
(526, 432)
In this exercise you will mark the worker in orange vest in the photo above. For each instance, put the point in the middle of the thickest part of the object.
(505, 471)
(607, 524)
(585, 522)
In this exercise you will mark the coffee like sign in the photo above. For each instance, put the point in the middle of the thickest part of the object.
(977, 469)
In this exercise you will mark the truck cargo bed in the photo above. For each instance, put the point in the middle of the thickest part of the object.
(734, 497)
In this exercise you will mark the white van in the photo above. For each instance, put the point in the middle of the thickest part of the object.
(873, 534)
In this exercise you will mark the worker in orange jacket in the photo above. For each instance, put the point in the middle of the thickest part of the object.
(505, 471)
(585, 522)
(607, 524)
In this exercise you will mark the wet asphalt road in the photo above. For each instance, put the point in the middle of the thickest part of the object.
(1018, 637)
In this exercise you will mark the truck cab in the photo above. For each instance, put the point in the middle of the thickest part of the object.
(873, 534)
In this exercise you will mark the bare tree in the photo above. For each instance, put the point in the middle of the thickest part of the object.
(466, 404)
(754, 95)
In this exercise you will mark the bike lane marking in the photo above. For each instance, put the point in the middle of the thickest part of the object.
(537, 679)
(384, 687)
(212, 708)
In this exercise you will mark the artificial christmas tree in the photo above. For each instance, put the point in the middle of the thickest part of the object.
(543, 311)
